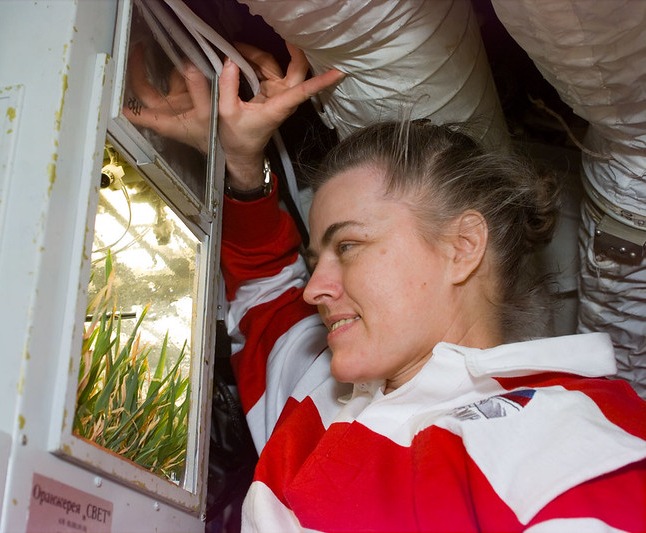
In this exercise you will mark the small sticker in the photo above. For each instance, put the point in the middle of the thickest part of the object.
(58, 508)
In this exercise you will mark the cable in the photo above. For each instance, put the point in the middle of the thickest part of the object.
(539, 104)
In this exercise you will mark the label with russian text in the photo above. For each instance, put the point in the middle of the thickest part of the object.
(58, 508)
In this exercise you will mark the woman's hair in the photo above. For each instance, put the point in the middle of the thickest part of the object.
(442, 172)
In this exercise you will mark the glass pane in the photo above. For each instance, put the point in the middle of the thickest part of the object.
(153, 83)
(133, 392)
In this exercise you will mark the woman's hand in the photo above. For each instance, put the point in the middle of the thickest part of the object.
(184, 114)
(246, 127)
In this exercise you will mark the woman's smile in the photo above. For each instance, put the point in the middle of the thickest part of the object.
(343, 322)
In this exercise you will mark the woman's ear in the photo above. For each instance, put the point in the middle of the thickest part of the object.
(468, 245)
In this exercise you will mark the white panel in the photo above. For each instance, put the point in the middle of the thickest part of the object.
(10, 98)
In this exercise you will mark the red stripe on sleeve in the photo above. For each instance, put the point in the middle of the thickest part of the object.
(262, 326)
(258, 240)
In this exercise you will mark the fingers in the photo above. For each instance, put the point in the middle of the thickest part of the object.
(321, 82)
(229, 84)
(278, 103)
(264, 63)
(176, 83)
(139, 83)
(245, 127)
(198, 87)
(298, 66)
(298, 94)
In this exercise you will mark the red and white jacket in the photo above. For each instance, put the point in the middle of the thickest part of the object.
(513, 438)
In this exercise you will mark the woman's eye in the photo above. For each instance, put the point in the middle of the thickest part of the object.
(344, 247)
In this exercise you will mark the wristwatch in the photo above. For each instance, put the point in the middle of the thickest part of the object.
(253, 194)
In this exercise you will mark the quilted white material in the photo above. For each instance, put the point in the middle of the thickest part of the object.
(403, 58)
(594, 54)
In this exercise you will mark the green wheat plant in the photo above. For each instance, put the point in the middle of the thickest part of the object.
(121, 403)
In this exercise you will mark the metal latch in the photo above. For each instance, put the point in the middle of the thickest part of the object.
(620, 242)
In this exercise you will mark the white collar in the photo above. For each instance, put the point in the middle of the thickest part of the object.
(589, 354)
(449, 377)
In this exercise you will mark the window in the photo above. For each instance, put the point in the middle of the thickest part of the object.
(142, 364)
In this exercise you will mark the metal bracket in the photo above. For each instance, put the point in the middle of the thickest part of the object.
(619, 242)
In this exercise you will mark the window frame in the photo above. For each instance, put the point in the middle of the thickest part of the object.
(202, 217)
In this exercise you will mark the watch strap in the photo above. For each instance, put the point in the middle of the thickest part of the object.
(256, 193)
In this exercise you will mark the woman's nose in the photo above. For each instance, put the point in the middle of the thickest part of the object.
(323, 284)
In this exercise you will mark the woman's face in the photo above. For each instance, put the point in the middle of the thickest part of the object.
(382, 290)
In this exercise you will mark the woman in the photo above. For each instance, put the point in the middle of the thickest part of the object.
(401, 405)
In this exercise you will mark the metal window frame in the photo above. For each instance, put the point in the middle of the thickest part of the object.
(203, 219)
